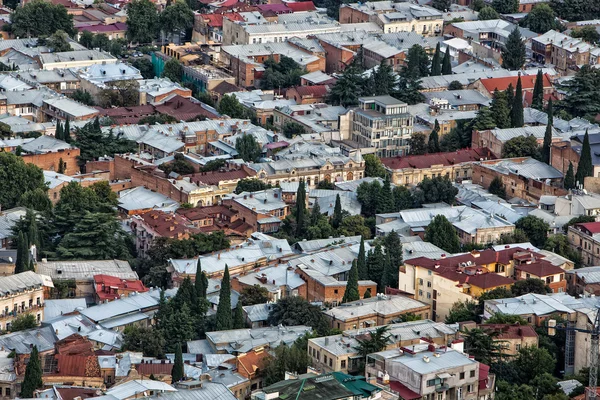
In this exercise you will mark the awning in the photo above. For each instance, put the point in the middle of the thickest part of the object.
(404, 392)
(445, 375)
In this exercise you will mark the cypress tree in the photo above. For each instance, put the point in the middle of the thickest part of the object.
(537, 101)
(61, 166)
(33, 375)
(446, 64)
(238, 317)
(585, 167)
(433, 145)
(516, 113)
(376, 264)
(546, 147)
(441, 233)
(385, 197)
(436, 62)
(201, 281)
(59, 131)
(33, 233)
(361, 261)
(570, 177)
(367, 294)
(177, 372)
(67, 131)
(510, 95)
(223, 320)
(301, 211)
(97, 127)
(387, 266)
(351, 293)
(337, 213)
(25, 265)
(501, 109)
(19, 263)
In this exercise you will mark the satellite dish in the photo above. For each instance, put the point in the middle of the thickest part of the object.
(10, 259)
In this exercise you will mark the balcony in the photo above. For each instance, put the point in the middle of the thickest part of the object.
(442, 387)
(20, 311)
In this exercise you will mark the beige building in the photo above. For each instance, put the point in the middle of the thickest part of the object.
(22, 294)
(383, 124)
(339, 353)
(376, 311)
(584, 238)
(512, 338)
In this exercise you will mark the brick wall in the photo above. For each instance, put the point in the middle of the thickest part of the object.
(49, 161)
(108, 165)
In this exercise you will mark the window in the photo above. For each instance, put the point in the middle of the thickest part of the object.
(324, 358)
(428, 295)
(318, 355)
(472, 373)
(7, 392)
(440, 396)
(518, 347)
(431, 382)
(331, 362)
(470, 388)
(343, 364)
(462, 376)
(429, 284)
(420, 282)
(420, 293)
(429, 272)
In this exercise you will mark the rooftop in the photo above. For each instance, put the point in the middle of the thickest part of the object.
(383, 306)
(428, 160)
(85, 269)
(526, 167)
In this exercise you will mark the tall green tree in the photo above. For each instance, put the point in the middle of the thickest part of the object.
(361, 261)
(385, 202)
(393, 246)
(387, 274)
(376, 264)
(537, 101)
(435, 190)
(351, 293)
(20, 265)
(417, 144)
(385, 79)
(336, 220)
(487, 13)
(300, 210)
(59, 130)
(433, 144)
(348, 88)
(506, 6)
(521, 146)
(501, 109)
(513, 53)
(296, 310)
(248, 148)
(497, 187)
(373, 166)
(570, 177)
(176, 17)
(446, 64)
(18, 180)
(224, 319)
(33, 375)
(535, 228)
(516, 112)
(585, 167)
(177, 372)
(441, 233)
(417, 63)
(41, 18)
(238, 317)
(142, 21)
(547, 145)
(377, 341)
(582, 94)
(229, 105)
(541, 19)
(201, 282)
(173, 70)
(436, 61)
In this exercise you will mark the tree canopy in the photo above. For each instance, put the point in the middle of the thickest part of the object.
(521, 146)
(535, 228)
(41, 18)
(248, 148)
(296, 310)
(142, 21)
(19, 182)
(513, 54)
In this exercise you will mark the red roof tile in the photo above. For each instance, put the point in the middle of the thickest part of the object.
(527, 82)
(216, 20)
(299, 6)
(312, 91)
(427, 160)
(540, 268)
(108, 287)
(168, 225)
(592, 227)
(75, 365)
(70, 393)
(118, 27)
(484, 372)
(184, 109)
(251, 362)
(507, 331)
(277, 8)
(404, 392)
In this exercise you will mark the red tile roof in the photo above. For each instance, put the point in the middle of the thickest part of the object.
(184, 109)
(74, 365)
(592, 227)
(277, 8)
(427, 160)
(168, 225)
(507, 331)
(118, 27)
(248, 364)
(299, 6)
(540, 268)
(70, 393)
(527, 82)
(216, 20)
(154, 368)
(108, 287)
(312, 91)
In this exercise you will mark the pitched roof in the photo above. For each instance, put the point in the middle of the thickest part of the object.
(527, 82)
(540, 268)
(312, 91)
(592, 227)
(299, 6)
(216, 20)
(251, 362)
(216, 177)
(427, 160)
(507, 331)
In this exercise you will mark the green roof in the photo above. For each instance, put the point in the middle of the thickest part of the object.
(322, 387)
(356, 384)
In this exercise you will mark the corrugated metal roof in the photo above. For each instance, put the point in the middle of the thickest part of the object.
(134, 388)
(22, 342)
(85, 270)
(209, 391)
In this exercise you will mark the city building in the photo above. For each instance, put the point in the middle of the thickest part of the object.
(584, 238)
(494, 139)
(22, 294)
(263, 210)
(375, 311)
(383, 124)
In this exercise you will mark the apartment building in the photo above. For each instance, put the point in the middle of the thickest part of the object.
(494, 139)
(457, 166)
(154, 224)
(541, 46)
(492, 33)
(22, 294)
(584, 238)
(382, 123)
(429, 372)
(512, 338)
(395, 17)
(339, 352)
